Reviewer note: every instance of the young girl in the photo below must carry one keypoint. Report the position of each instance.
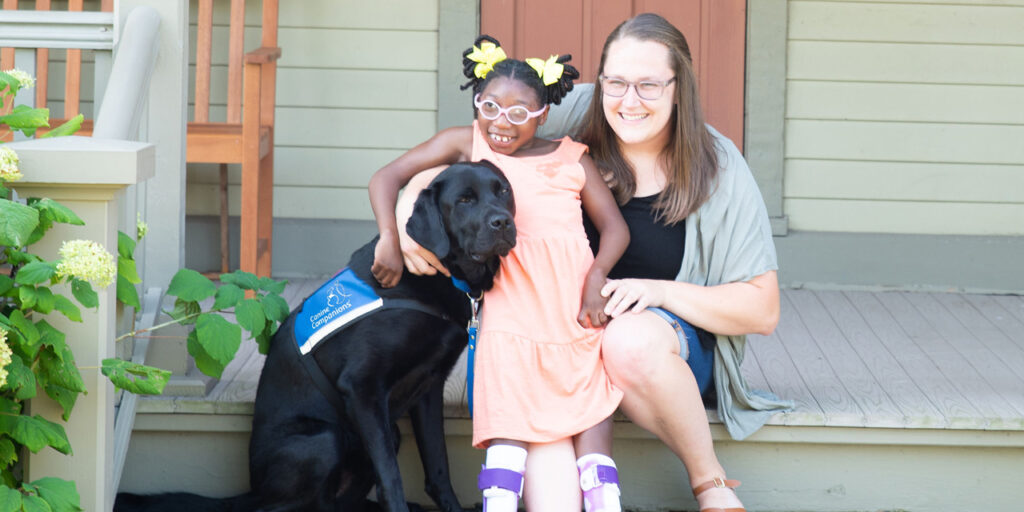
(539, 378)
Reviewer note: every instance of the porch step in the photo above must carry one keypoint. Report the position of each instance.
(905, 401)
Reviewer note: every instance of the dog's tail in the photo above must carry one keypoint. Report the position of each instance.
(182, 501)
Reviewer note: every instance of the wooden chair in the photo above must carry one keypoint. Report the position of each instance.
(245, 137)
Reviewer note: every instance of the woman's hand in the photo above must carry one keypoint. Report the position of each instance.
(633, 295)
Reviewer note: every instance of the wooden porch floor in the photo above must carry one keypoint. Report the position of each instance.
(847, 358)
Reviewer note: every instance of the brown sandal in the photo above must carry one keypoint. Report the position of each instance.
(718, 482)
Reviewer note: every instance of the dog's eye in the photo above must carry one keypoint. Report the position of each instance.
(465, 200)
(504, 191)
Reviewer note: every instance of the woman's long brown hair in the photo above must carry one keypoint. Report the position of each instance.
(689, 158)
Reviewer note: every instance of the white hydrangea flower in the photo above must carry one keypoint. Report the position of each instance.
(87, 260)
(24, 79)
(140, 226)
(5, 357)
(9, 170)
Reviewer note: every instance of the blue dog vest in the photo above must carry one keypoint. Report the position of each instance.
(341, 300)
(337, 303)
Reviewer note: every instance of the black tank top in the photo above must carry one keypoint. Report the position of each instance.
(655, 250)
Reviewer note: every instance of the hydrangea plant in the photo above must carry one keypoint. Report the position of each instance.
(34, 354)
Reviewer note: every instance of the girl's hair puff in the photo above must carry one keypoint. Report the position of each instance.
(519, 70)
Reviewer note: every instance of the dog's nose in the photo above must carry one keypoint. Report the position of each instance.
(501, 222)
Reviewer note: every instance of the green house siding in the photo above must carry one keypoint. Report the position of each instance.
(356, 87)
(905, 117)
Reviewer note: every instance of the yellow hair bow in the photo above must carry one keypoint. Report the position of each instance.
(550, 71)
(486, 56)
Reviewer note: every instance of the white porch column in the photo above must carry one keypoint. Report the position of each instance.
(85, 175)
(161, 200)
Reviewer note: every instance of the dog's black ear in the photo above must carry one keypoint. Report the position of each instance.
(426, 226)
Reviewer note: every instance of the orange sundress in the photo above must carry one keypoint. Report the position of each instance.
(538, 374)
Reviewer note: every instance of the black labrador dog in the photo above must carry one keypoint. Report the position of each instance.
(316, 449)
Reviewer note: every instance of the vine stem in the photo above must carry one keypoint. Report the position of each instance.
(155, 327)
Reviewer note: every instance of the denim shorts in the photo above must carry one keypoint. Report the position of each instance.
(700, 358)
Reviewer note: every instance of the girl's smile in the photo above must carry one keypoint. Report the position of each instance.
(503, 136)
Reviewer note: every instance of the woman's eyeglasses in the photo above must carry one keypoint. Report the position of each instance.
(516, 114)
(645, 89)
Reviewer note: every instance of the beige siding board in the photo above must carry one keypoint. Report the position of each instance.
(353, 128)
(340, 88)
(339, 48)
(912, 181)
(289, 202)
(401, 14)
(865, 101)
(901, 22)
(888, 337)
(913, 63)
(907, 142)
(853, 374)
(921, 328)
(936, 218)
(310, 167)
(976, 3)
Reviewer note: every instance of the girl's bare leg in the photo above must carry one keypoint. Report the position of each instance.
(552, 480)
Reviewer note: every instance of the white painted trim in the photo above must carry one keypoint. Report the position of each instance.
(53, 29)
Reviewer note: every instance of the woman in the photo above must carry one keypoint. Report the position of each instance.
(701, 258)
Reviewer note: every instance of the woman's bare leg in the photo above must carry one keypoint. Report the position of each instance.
(661, 395)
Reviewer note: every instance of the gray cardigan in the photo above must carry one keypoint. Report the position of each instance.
(728, 239)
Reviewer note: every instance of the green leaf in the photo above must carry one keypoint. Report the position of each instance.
(24, 118)
(84, 293)
(126, 268)
(9, 82)
(228, 296)
(244, 280)
(269, 285)
(27, 342)
(35, 432)
(36, 272)
(63, 396)
(20, 379)
(126, 292)
(135, 378)
(250, 316)
(16, 223)
(44, 300)
(125, 245)
(68, 128)
(8, 456)
(56, 211)
(10, 499)
(6, 283)
(263, 341)
(27, 296)
(183, 309)
(57, 367)
(68, 308)
(8, 406)
(16, 257)
(31, 503)
(190, 285)
(218, 340)
(61, 495)
(275, 307)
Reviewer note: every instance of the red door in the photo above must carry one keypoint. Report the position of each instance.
(715, 30)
